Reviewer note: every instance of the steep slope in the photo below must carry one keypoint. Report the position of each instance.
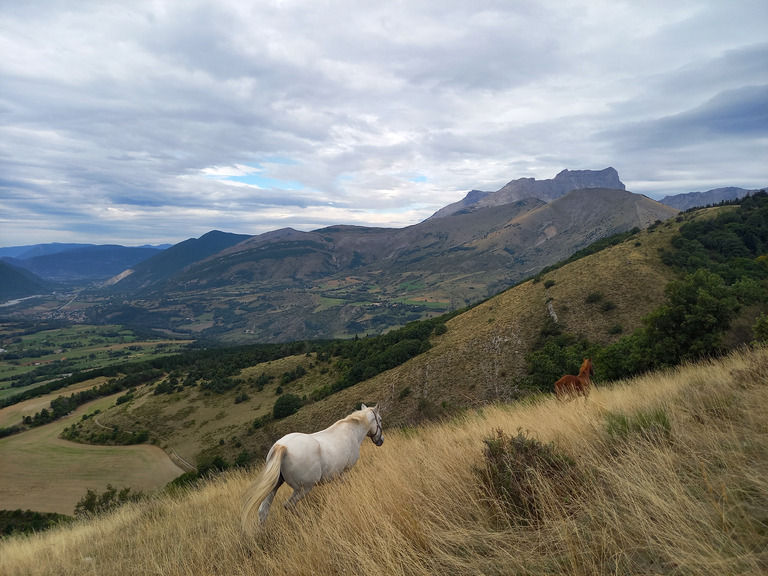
(679, 488)
(478, 359)
(173, 260)
(472, 197)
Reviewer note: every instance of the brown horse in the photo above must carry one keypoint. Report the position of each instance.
(576, 385)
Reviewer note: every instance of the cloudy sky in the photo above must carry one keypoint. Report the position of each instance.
(154, 121)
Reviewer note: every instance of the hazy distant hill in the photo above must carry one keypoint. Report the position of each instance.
(19, 283)
(546, 190)
(708, 198)
(32, 250)
(89, 263)
(171, 261)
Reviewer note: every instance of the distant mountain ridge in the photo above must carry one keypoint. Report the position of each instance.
(34, 250)
(545, 190)
(83, 263)
(708, 198)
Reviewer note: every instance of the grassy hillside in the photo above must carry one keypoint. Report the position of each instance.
(480, 358)
(482, 355)
(668, 474)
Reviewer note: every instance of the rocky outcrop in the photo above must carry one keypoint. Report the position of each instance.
(546, 190)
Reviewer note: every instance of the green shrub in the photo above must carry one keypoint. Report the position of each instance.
(262, 421)
(211, 464)
(760, 329)
(92, 504)
(520, 471)
(243, 459)
(28, 521)
(552, 357)
(286, 405)
(593, 297)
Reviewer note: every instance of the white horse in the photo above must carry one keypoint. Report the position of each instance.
(303, 460)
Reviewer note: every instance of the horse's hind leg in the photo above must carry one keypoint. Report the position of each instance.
(298, 494)
(264, 507)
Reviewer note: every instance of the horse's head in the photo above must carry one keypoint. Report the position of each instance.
(375, 431)
(587, 366)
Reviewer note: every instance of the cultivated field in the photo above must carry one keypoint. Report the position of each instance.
(13, 414)
(670, 477)
(53, 353)
(41, 472)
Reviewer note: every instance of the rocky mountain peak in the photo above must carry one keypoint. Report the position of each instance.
(546, 190)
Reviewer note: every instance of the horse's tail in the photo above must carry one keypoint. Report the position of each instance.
(261, 487)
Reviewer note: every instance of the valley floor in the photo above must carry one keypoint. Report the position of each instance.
(670, 477)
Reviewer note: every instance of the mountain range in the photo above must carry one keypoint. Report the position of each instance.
(340, 281)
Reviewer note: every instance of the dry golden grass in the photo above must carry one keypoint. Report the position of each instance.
(691, 498)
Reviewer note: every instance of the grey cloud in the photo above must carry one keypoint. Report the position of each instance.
(734, 113)
(126, 108)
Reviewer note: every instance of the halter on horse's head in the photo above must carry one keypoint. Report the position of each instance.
(375, 432)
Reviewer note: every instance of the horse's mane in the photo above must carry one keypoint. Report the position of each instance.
(356, 416)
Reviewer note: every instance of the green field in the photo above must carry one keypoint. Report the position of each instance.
(32, 358)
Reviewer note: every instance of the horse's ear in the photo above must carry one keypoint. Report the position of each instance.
(363, 406)
(376, 408)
